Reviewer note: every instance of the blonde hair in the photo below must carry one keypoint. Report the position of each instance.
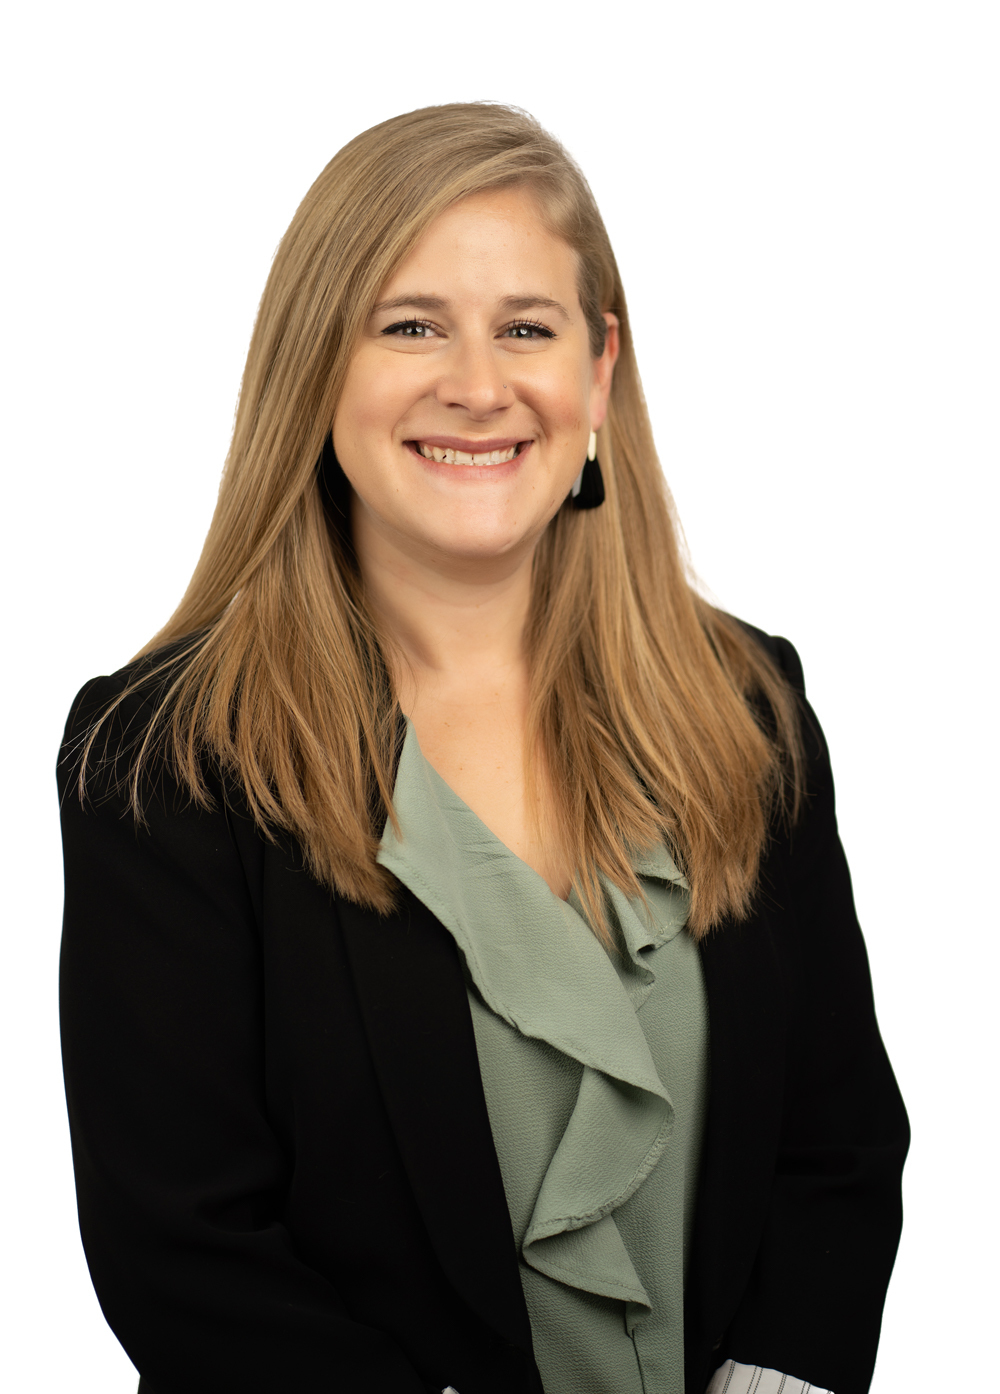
(659, 718)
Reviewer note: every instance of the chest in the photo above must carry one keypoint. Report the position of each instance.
(478, 748)
(370, 1037)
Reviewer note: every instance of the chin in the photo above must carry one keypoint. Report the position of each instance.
(477, 547)
(482, 541)
(485, 533)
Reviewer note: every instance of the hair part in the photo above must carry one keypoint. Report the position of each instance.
(645, 701)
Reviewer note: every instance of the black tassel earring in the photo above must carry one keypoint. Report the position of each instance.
(588, 487)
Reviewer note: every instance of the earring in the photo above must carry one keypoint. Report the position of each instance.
(588, 487)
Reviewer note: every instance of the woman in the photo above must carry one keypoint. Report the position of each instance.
(413, 867)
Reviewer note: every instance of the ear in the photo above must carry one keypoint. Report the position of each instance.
(604, 368)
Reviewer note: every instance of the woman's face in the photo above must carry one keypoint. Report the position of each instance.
(471, 397)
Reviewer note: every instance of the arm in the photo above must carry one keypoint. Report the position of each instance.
(814, 1302)
(180, 1178)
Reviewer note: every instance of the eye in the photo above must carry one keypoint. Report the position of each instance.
(410, 329)
(524, 330)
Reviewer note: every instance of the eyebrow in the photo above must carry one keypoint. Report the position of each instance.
(436, 302)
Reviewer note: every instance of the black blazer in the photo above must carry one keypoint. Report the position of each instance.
(285, 1171)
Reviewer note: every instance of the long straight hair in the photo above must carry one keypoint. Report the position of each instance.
(658, 718)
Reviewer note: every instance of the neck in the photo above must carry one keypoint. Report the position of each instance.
(455, 623)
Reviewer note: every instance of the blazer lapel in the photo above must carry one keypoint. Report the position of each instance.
(747, 1027)
(413, 998)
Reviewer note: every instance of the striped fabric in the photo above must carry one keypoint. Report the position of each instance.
(733, 1378)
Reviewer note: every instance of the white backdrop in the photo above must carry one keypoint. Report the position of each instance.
(803, 198)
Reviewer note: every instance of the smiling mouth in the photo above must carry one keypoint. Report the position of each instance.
(442, 456)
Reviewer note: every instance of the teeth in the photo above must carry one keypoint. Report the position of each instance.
(462, 457)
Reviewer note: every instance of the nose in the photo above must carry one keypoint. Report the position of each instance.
(472, 380)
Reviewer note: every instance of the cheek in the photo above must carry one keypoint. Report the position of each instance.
(375, 397)
(560, 398)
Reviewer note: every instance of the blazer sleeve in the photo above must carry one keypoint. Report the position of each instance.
(179, 1175)
(813, 1306)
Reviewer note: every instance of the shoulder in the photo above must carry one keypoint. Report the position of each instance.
(112, 715)
(142, 683)
(807, 755)
(131, 810)
(781, 652)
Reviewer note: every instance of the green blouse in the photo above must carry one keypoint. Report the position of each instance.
(594, 1067)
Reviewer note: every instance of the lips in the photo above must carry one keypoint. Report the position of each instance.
(447, 455)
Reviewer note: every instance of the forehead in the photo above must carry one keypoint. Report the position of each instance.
(495, 243)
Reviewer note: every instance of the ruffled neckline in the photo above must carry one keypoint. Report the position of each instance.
(537, 965)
